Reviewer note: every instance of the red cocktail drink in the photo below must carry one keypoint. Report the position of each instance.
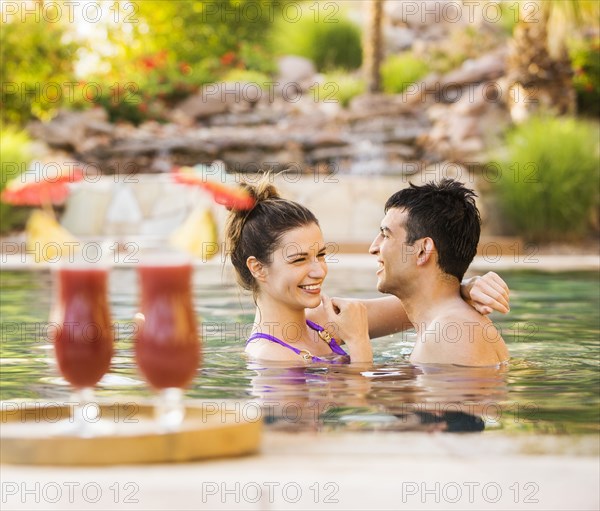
(167, 345)
(84, 337)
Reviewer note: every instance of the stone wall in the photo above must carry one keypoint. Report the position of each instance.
(148, 208)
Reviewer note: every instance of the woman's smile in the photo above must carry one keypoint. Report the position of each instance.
(313, 289)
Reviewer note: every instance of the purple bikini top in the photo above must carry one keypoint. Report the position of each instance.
(335, 347)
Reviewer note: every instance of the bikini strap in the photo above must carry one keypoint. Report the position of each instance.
(324, 334)
(305, 354)
(272, 338)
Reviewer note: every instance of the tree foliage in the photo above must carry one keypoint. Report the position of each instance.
(36, 68)
(192, 31)
(175, 47)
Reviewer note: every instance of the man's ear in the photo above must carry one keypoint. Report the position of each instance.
(426, 249)
(257, 269)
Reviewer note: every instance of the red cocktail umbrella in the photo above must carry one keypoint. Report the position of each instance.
(228, 196)
(42, 187)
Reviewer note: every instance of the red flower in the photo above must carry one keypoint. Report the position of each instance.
(185, 68)
(228, 58)
(148, 63)
(153, 61)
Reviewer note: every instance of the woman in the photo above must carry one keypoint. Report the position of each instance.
(278, 252)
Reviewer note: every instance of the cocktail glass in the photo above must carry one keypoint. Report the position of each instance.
(83, 338)
(167, 345)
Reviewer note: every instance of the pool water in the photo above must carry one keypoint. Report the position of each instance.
(551, 384)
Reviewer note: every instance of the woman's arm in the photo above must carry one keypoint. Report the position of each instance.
(486, 294)
(350, 318)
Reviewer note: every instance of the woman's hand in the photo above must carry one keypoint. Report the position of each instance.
(350, 319)
(486, 294)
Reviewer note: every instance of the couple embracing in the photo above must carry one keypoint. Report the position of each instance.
(426, 241)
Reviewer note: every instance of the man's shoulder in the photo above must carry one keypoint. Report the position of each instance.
(462, 337)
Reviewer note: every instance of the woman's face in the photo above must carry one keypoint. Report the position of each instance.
(297, 268)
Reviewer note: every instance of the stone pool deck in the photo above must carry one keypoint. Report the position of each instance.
(346, 471)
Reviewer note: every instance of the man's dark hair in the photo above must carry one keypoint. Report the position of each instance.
(446, 213)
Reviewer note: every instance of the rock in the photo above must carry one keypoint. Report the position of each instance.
(216, 98)
(322, 139)
(423, 92)
(486, 68)
(74, 130)
(399, 38)
(460, 128)
(295, 73)
(253, 118)
(403, 129)
(369, 105)
(331, 153)
(401, 151)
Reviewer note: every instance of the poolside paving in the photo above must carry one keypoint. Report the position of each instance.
(347, 471)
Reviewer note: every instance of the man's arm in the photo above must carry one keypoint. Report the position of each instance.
(387, 316)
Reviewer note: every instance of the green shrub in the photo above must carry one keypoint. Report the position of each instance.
(14, 156)
(36, 68)
(339, 87)
(585, 59)
(399, 71)
(548, 180)
(329, 39)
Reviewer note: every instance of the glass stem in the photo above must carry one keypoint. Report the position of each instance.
(85, 411)
(170, 409)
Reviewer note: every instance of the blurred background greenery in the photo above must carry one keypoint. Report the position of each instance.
(143, 57)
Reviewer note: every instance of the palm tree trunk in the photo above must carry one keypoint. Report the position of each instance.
(537, 81)
(373, 45)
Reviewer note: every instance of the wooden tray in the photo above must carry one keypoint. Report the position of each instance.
(33, 433)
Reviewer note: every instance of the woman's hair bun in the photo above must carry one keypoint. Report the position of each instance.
(263, 190)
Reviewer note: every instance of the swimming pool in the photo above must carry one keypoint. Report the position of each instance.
(551, 385)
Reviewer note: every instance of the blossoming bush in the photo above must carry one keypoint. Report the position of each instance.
(173, 51)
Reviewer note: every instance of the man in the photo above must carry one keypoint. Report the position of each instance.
(427, 240)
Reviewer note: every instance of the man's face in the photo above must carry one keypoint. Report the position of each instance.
(396, 259)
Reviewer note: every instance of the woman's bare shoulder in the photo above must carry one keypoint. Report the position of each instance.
(262, 349)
